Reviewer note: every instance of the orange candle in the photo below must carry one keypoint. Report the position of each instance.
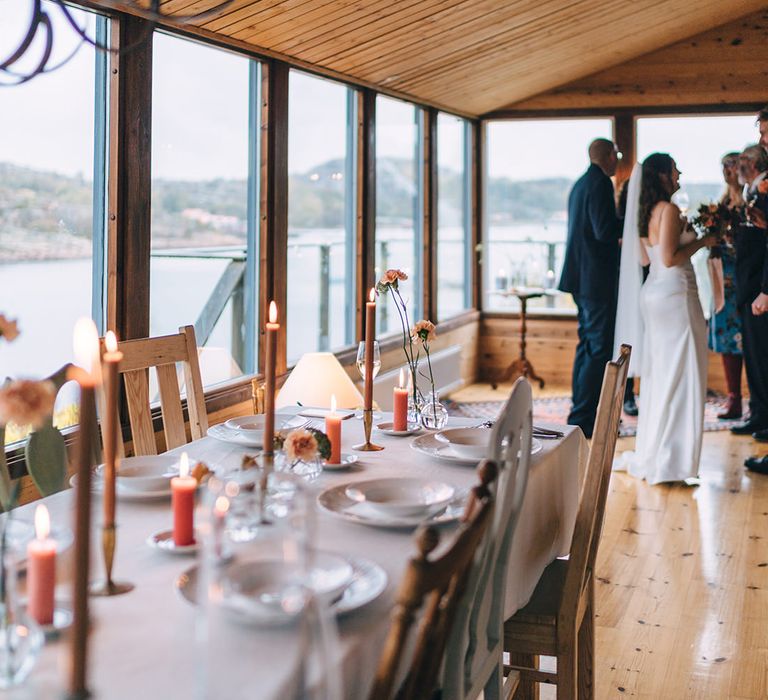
(111, 359)
(370, 333)
(183, 489)
(400, 405)
(333, 431)
(41, 570)
(270, 354)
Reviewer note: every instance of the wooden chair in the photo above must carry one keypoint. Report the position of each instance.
(474, 654)
(559, 619)
(439, 582)
(162, 353)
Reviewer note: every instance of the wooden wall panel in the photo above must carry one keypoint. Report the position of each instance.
(726, 65)
(466, 56)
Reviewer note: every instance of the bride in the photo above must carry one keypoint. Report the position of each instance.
(674, 333)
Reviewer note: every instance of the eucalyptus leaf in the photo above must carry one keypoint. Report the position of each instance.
(6, 493)
(46, 456)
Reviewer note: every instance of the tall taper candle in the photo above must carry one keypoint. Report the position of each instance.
(111, 360)
(86, 342)
(270, 355)
(370, 334)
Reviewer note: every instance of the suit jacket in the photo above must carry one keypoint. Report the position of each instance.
(751, 259)
(591, 265)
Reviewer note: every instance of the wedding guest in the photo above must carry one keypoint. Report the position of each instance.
(725, 320)
(590, 274)
(752, 289)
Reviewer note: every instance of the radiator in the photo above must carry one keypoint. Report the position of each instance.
(446, 368)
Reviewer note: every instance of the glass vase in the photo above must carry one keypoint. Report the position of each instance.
(309, 470)
(20, 637)
(433, 414)
(415, 404)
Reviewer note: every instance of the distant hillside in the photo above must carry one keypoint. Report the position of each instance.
(48, 215)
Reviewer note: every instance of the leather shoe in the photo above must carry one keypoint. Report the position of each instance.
(757, 464)
(748, 427)
(761, 435)
(630, 407)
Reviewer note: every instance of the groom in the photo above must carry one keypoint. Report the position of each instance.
(590, 274)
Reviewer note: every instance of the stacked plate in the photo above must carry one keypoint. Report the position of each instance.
(140, 478)
(394, 502)
(465, 446)
(248, 431)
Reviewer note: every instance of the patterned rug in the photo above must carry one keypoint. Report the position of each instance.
(554, 409)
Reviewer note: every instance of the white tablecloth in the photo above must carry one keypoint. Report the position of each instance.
(142, 644)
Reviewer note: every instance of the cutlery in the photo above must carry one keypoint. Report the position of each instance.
(546, 431)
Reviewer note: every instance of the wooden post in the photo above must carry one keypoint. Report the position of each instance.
(625, 138)
(430, 215)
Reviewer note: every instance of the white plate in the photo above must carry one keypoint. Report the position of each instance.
(248, 438)
(335, 501)
(430, 445)
(368, 582)
(398, 497)
(97, 486)
(386, 429)
(163, 540)
(147, 473)
(347, 460)
(22, 532)
(469, 443)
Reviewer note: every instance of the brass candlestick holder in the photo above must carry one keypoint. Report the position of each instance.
(108, 587)
(368, 446)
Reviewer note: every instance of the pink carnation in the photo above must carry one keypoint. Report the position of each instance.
(26, 402)
(300, 445)
(8, 329)
(392, 276)
(424, 330)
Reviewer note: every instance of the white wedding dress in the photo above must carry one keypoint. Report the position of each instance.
(673, 375)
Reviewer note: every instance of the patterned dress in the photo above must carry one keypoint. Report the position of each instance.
(725, 325)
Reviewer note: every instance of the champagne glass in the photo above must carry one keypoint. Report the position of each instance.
(683, 201)
(361, 367)
(750, 200)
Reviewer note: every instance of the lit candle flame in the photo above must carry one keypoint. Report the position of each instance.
(222, 505)
(372, 295)
(184, 465)
(42, 522)
(110, 341)
(85, 344)
(272, 312)
(401, 384)
(333, 403)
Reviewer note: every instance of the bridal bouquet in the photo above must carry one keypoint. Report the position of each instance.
(713, 218)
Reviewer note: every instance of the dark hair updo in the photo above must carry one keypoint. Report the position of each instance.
(652, 189)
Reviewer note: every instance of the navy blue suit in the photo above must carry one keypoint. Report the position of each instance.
(591, 275)
(751, 279)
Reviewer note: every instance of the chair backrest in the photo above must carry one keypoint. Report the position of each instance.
(476, 638)
(594, 492)
(439, 584)
(163, 353)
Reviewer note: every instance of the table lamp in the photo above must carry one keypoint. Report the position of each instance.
(316, 376)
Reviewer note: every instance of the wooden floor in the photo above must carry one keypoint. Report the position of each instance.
(682, 590)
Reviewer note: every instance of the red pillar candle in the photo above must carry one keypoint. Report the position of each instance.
(333, 431)
(183, 489)
(370, 334)
(400, 405)
(270, 355)
(41, 570)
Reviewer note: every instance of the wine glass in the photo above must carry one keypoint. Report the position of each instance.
(683, 201)
(361, 367)
(749, 200)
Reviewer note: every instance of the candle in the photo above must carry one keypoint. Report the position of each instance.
(41, 570)
(270, 353)
(86, 346)
(183, 489)
(111, 361)
(400, 405)
(333, 431)
(370, 332)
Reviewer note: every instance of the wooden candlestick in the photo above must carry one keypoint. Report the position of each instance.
(370, 334)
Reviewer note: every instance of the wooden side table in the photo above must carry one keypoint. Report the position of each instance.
(521, 367)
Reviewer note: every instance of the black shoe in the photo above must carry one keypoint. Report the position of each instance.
(760, 435)
(748, 427)
(630, 407)
(757, 464)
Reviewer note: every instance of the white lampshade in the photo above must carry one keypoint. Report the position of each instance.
(317, 376)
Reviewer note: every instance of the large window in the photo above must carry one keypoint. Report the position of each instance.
(204, 199)
(697, 144)
(532, 165)
(321, 215)
(453, 216)
(399, 174)
(52, 175)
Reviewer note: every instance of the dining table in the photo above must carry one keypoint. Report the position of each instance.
(152, 643)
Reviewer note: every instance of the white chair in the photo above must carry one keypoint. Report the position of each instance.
(474, 661)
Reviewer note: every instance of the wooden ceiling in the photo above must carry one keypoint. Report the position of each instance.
(469, 56)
